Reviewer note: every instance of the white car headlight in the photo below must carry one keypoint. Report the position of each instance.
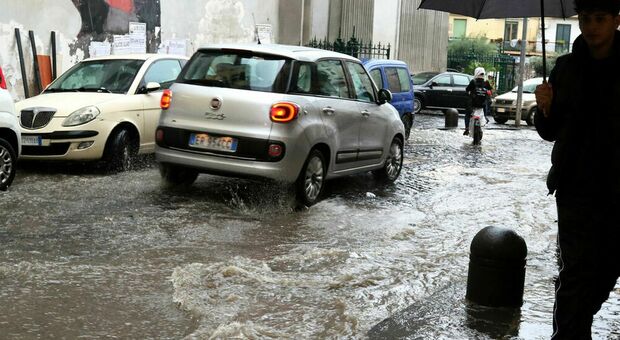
(81, 116)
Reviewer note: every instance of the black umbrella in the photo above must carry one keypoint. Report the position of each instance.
(497, 9)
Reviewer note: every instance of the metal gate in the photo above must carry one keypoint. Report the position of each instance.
(504, 66)
(353, 47)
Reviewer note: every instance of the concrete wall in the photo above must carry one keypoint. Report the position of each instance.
(551, 25)
(203, 22)
(289, 17)
(20, 14)
(423, 37)
(78, 23)
(494, 28)
(386, 22)
(317, 19)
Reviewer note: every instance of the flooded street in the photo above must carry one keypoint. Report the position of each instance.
(94, 255)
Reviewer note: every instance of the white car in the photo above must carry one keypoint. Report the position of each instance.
(104, 108)
(10, 140)
(504, 107)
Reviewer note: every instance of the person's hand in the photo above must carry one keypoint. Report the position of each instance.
(544, 95)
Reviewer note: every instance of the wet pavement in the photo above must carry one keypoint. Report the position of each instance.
(94, 255)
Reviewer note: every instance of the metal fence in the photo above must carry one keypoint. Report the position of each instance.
(503, 66)
(352, 47)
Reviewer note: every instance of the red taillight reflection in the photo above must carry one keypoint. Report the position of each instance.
(166, 99)
(2, 80)
(283, 112)
(275, 150)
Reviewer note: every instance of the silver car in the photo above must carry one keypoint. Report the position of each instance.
(288, 113)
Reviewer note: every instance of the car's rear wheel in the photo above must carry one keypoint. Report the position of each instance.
(8, 158)
(530, 117)
(120, 151)
(500, 120)
(176, 175)
(311, 180)
(417, 104)
(393, 163)
(408, 123)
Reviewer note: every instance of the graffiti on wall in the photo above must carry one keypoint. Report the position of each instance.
(101, 19)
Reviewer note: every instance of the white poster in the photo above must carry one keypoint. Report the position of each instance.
(264, 33)
(174, 46)
(137, 37)
(99, 48)
(121, 44)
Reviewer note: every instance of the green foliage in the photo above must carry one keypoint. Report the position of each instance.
(472, 45)
(537, 64)
(471, 67)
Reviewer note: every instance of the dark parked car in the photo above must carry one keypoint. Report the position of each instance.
(435, 90)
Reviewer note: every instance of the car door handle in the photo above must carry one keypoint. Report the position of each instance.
(365, 113)
(328, 111)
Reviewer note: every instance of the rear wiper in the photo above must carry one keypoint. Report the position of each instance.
(206, 82)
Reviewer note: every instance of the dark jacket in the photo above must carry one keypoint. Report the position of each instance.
(584, 123)
(471, 89)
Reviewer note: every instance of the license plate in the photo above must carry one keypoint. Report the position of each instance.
(204, 141)
(31, 140)
(501, 109)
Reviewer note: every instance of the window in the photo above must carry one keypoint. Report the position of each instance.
(163, 72)
(304, 79)
(511, 30)
(361, 82)
(238, 70)
(461, 81)
(377, 77)
(331, 79)
(443, 81)
(392, 77)
(562, 38)
(459, 28)
(405, 79)
(114, 75)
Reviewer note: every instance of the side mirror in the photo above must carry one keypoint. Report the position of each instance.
(152, 86)
(433, 84)
(384, 96)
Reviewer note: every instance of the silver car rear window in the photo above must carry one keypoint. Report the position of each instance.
(238, 70)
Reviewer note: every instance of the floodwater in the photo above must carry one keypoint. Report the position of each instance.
(84, 254)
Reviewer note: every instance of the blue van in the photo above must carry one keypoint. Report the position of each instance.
(394, 75)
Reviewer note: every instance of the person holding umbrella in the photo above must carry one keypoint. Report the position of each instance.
(577, 110)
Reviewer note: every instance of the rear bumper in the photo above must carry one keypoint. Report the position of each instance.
(508, 112)
(284, 170)
(251, 158)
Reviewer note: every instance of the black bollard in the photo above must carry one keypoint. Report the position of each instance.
(496, 268)
(452, 118)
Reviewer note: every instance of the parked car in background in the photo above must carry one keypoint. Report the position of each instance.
(104, 108)
(288, 113)
(10, 139)
(504, 107)
(394, 75)
(446, 90)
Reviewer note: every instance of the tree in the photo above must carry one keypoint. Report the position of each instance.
(478, 45)
(537, 64)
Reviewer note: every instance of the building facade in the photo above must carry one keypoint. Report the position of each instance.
(84, 28)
